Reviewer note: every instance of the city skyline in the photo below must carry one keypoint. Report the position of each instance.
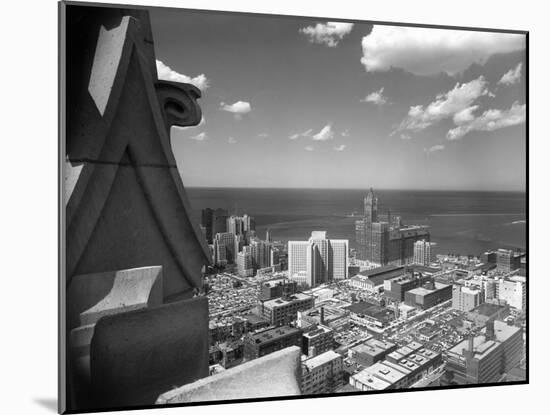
(285, 95)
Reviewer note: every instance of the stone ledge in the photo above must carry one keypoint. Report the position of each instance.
(276, 374)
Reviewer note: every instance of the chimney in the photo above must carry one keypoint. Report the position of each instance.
(323, 315)
(471, 343)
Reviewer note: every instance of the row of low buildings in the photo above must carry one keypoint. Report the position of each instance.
(400, 369)
(510, 290)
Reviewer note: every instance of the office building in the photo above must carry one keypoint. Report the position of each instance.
(318, 260)
(277, 288)
(486, 357)
(244, 263)
(513, 290)
(423, 252)
(270, 340)
(322, 373)
(317, 340)
(371, 351)
(219, 221)
(224, 246)
(385, 242)
(466, 298)
(281, 311)
(429, 295)
(396, 287)
(508, 260)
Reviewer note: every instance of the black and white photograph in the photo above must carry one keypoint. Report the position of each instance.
(270, 207)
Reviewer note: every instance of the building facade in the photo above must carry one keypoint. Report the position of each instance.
(318, 260)
(322, 373)
(385, 242)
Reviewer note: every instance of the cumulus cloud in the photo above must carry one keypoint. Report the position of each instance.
(341, 147)
(263, 135)
(512, 76)
(329, 34)
(308, 148)
(306, 133)
(325, 134)
(433, 149)
(490, 120)
(345, 133)
(166, 73)
(199, 137)
(231, 140)
(404, 136)
(426, 51)
(456, 103)
(238, 108)
(376, 97)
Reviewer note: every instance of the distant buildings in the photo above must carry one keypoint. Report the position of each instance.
(322, 373)
(508, 260)
(385, 242)
(270, 340)
(423, 254)
(318, 260)
(484, 358)
(224, 248)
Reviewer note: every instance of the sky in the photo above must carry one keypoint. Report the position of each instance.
(311, 103)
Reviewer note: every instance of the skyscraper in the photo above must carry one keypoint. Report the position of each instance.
(385, 242)
(422, 252)
(318, 260)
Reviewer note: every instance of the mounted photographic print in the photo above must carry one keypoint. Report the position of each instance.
(258, 207)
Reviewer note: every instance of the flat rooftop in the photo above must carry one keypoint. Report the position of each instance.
(488, 309)
(386, 373)
(367, 378)
(273, 334)
(279, 301)
(378, 275)
(321, 359)
(371, 310)
(373, 347)
(317, 331)
(483, 347)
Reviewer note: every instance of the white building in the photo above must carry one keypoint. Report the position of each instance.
(423, 252)
(466, 298)
(318, 260)
(322, 373)
(513, 291)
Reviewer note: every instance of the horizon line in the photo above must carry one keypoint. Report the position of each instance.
(356, 188)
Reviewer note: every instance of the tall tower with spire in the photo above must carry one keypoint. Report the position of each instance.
(371, 207)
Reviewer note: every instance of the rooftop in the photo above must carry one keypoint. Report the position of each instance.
(374, 382)
(271, 334)
(280, 301)
(488, 309)
(483, 347)
(321, 359)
